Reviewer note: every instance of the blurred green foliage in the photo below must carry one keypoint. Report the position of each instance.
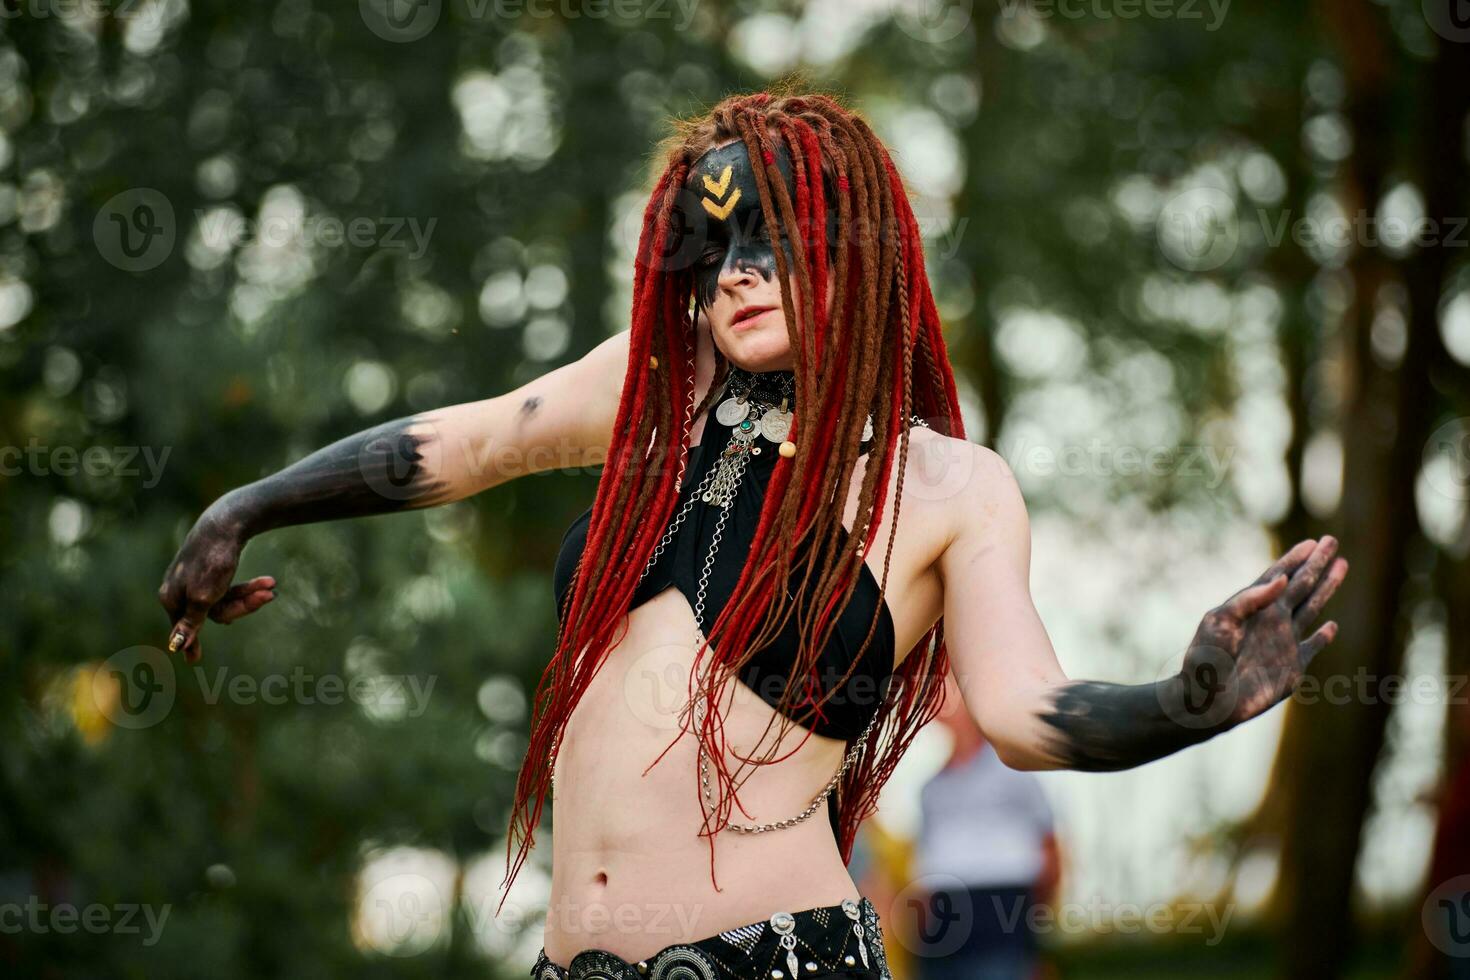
(492, 163)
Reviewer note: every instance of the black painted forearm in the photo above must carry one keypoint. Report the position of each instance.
(1101, 727)
(1248, 654)
(377, 471)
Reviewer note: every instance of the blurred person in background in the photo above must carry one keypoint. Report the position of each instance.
(987, 846)
(783, 335)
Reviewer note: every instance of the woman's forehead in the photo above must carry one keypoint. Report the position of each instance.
(725, 169)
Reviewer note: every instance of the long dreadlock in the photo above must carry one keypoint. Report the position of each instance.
(855, 361)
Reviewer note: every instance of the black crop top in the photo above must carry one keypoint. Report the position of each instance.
(767, 672)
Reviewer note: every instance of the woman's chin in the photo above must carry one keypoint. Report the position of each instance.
(770, 357)
(760, 347)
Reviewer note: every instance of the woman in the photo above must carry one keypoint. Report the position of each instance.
(784, 355)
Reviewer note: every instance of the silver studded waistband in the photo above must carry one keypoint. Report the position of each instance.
(843, 940)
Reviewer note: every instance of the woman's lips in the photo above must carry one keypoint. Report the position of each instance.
(746, 317)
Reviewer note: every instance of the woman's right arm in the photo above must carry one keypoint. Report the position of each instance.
(560, 420)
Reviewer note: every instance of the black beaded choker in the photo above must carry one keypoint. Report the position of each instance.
(764, 386)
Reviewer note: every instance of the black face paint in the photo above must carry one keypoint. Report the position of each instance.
(736, 238)
(725, 229)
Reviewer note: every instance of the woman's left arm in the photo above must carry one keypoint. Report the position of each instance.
(1246, 656)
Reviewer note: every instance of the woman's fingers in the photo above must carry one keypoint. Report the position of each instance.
(239, 600)
(1248, 601)
(1288, 562)
(1307, 612)
(185, 632)
(261, 583)
(184, 638)
(1312, 645)
(243, 599)
(226, 613)
(1305, 578)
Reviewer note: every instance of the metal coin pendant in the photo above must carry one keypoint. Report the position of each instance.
(732, 411)
(776, 424)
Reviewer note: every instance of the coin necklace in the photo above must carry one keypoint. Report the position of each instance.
(750, 410)
(747, 414)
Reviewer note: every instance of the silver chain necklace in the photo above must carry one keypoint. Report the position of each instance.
(748, 416)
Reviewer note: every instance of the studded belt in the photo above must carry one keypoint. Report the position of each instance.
(832, 941)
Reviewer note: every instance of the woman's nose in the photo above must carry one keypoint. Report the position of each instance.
(737, 272)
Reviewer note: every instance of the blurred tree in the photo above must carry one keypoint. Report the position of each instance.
(490, 159)
(359, 221)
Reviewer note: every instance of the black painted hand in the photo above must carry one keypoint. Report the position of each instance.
(1249, 653)
(197, 583)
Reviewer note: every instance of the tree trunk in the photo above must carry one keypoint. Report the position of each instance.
(1388, 412)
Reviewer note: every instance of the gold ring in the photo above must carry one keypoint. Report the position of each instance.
(175, 641)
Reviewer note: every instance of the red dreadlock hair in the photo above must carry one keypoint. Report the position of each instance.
(858, 359)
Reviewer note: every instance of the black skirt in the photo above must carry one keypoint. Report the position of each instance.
(834, 941)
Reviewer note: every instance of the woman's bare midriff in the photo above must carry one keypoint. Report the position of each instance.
(630, 873)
